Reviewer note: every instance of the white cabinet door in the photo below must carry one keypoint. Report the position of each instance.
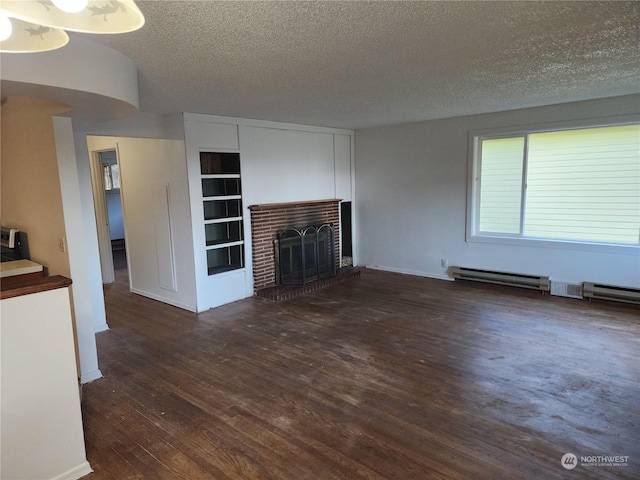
(157, 219)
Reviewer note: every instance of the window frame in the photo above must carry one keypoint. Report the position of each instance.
(473, 192)
(109, 167)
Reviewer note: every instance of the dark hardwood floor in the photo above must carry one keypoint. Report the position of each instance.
(383, 377)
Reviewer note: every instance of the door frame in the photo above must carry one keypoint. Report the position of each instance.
(101, 213)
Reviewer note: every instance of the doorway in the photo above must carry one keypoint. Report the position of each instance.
(115, 220)
(105, 182)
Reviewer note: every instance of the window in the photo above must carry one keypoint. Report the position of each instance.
(578, 185)
(111, 175)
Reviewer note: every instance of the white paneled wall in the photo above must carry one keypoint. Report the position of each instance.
(155, 202)
(286, 165)
(279, 163)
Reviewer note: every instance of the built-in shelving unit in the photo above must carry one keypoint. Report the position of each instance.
(222, 203)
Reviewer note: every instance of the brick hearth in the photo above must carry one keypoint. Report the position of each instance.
(269, 219)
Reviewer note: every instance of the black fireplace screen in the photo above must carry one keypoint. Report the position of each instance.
(306, 255)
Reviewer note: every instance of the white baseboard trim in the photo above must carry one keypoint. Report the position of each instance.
(90, 376)
(76, 472)
(437, 276)
(168, 301)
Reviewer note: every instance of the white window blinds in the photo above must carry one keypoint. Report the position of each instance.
(576, 185)
(501, 192)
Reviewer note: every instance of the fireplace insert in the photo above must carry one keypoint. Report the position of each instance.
(305, 255)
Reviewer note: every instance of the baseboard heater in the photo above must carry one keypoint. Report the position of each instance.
(502, 278)
(609, 292)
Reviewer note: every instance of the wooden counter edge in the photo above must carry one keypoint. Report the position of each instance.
(33, 286)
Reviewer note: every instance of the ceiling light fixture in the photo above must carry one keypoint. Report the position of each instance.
(39, 25)
(5, 27)
(71, 6)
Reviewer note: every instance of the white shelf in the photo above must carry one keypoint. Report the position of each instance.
(224, 245)
(220, 261)
(221, 175)
(222, 197)
(222, 220)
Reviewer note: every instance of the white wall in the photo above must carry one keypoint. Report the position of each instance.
(88, 301)
(411, 185)
(157, 219)
(279, 163)
(140, 125)
(286, 165)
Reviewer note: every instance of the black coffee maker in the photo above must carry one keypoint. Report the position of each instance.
(14, 244)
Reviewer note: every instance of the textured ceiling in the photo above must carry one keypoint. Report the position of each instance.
(358, 64)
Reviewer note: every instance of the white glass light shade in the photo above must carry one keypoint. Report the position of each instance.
(28, 37)
(5, 27)
(100, 16)
(70, 6)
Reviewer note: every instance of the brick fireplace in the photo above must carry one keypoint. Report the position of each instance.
(269, 219)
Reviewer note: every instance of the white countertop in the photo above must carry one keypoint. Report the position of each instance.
(18, 267)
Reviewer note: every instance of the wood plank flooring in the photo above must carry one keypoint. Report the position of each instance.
(383, 377)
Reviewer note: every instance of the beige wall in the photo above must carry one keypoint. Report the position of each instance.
(30, 183)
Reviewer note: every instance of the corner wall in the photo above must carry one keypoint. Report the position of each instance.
(411, 185)
(31, 196)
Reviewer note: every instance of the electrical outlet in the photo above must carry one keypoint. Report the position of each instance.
(62, 245)
(444, 263)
